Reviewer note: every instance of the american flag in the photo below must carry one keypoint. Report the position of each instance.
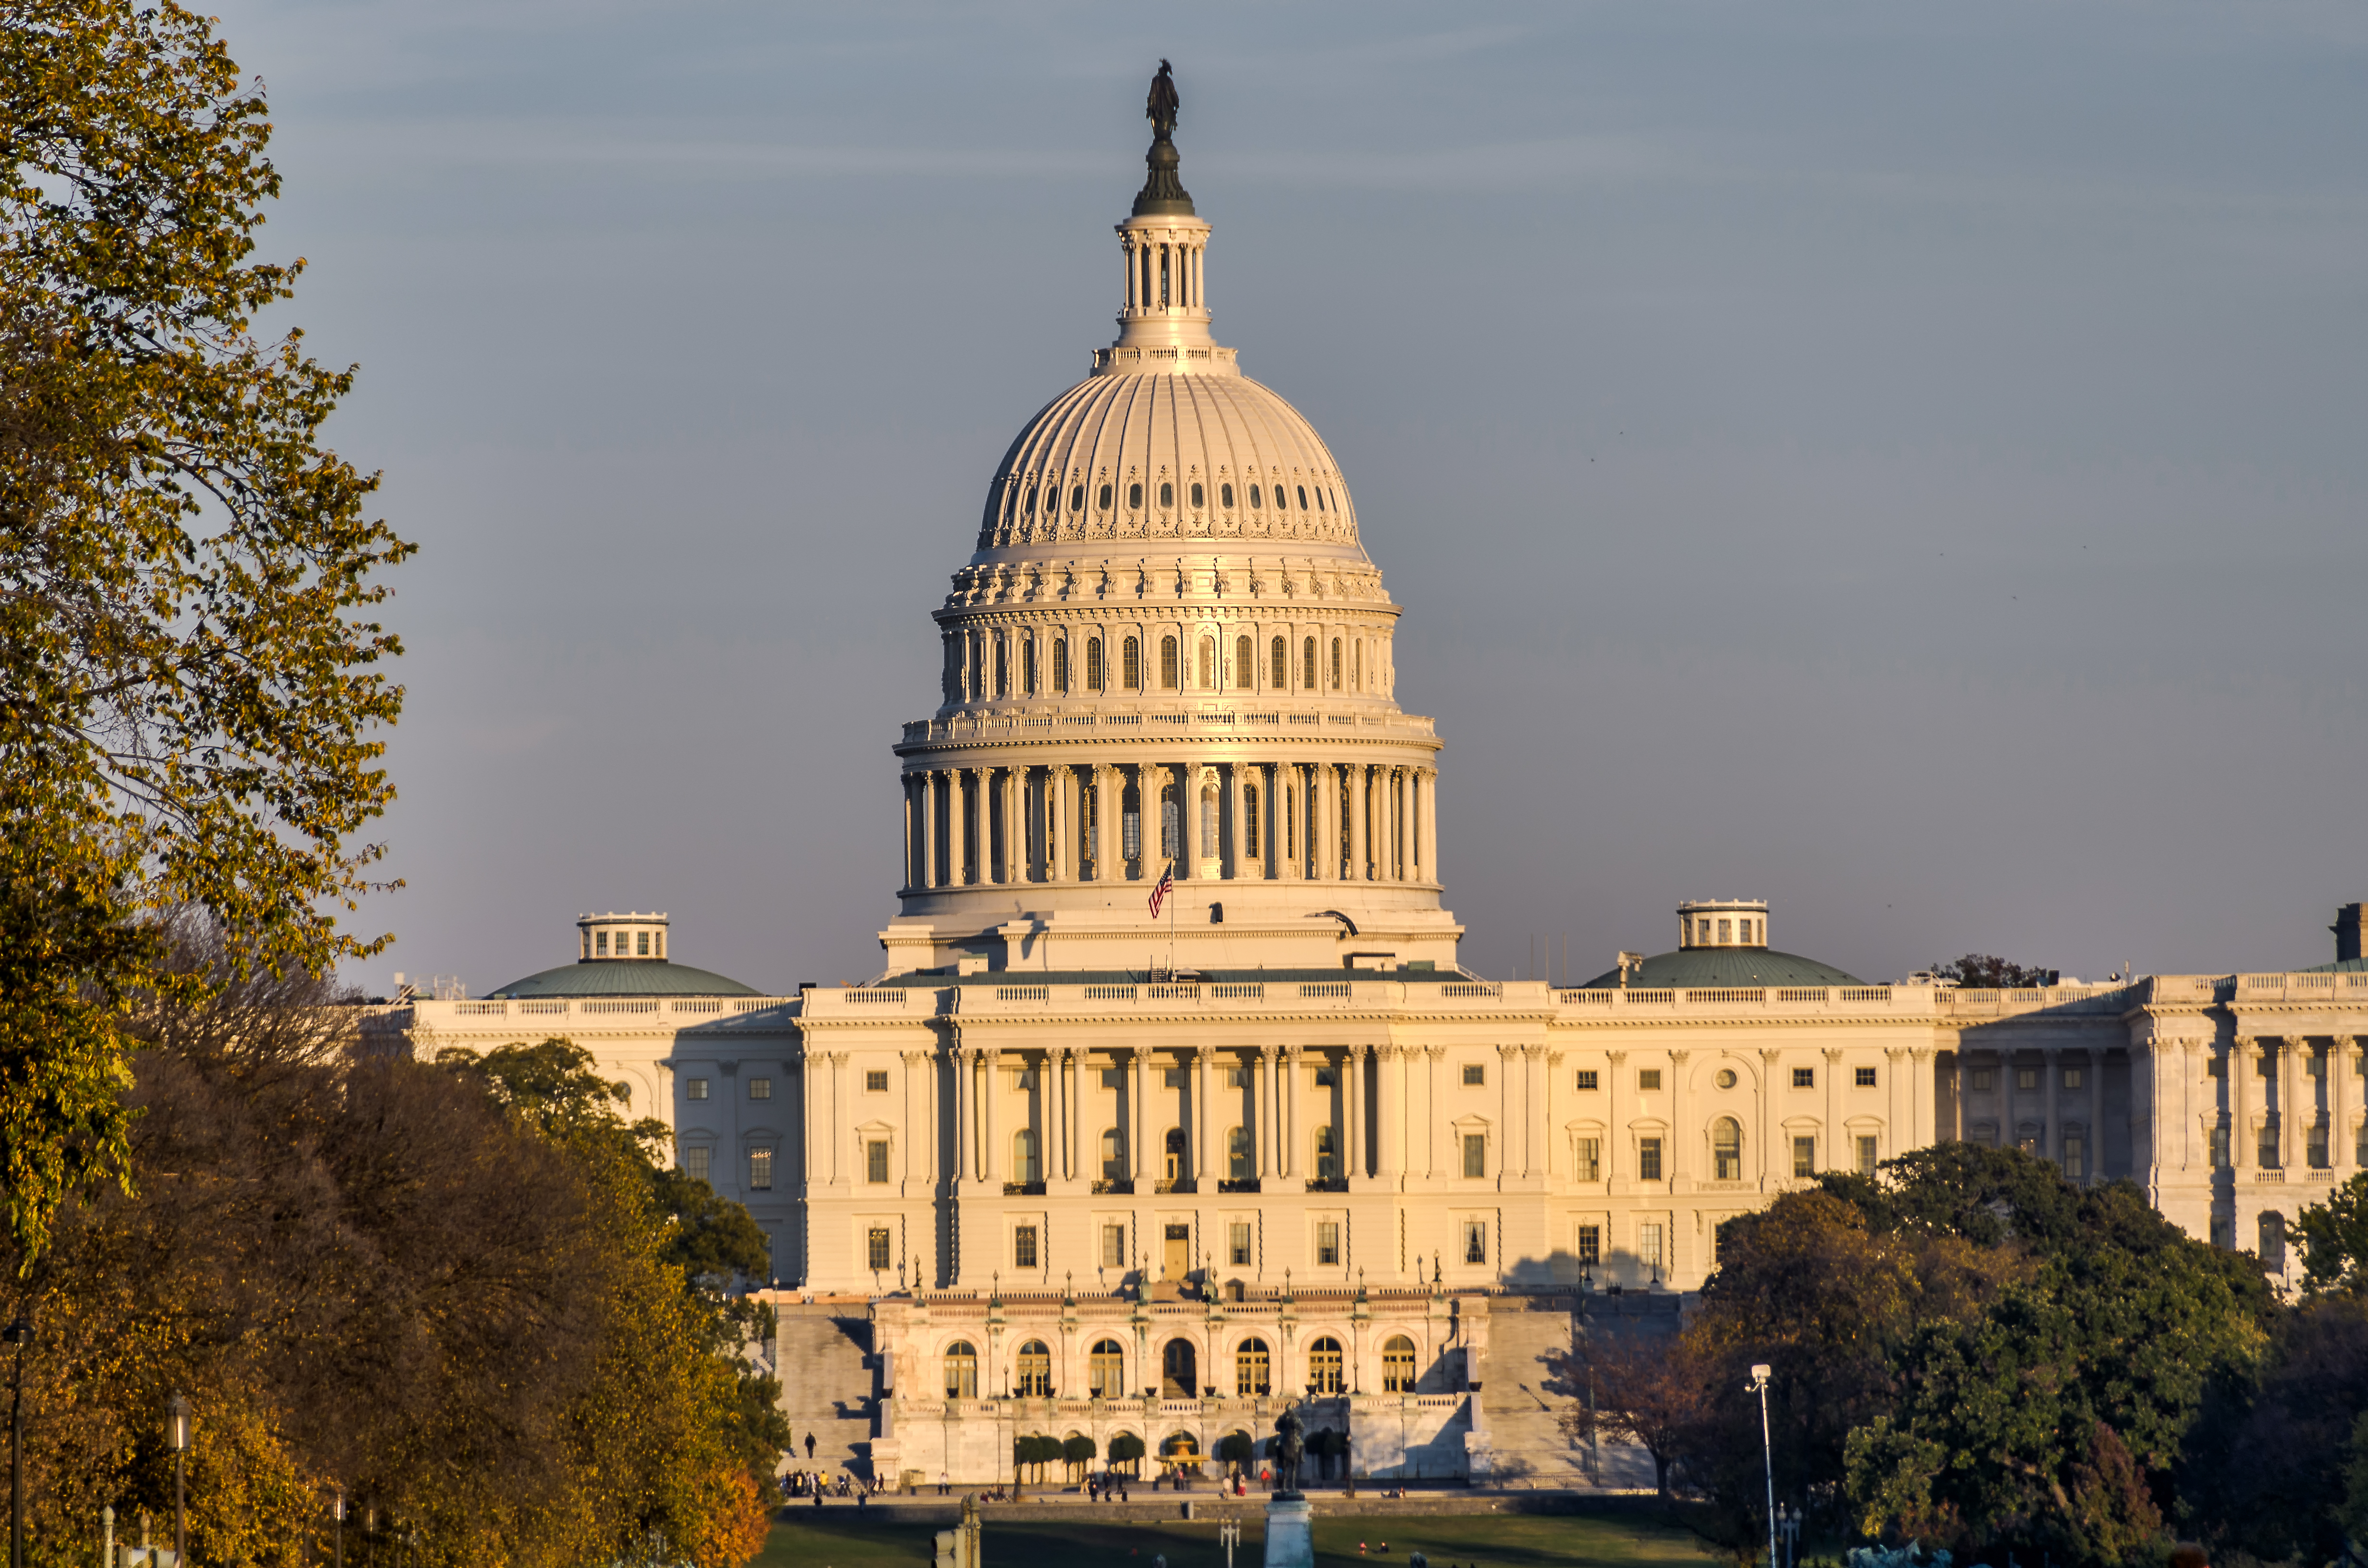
(1159, 894)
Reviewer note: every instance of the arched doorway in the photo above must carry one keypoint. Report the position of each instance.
(1180, 1370)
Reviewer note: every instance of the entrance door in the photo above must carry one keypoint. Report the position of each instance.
(1177, 1261)
(1179, 1371)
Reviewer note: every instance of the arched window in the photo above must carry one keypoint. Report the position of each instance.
(1245, 663)
(1024, 1165)
(1324, 1365)
(1328, 1151)
(1319, 498)
(1002, 668)
(1726, 1149)
(961, 1370)
(1170, 678)
(1093, 663)
(1061, 665)
(1237, 1153)
(1131, 664)
(1113, 1155)
(1027, 502)
(1180, 1370)
(1303, 497)
(1397, 1365)
(2274, 1242)
(1251, 1360)
(1130, 822)
(1251, 836)
(1027, 667)
(1279, 665)
(1175, 1144)
(1307, 664)
(1254, 494)
(1208, 819)
(1196, 496)
(1032, 1374)
(1105, 498)
(1105, 1369)
(1225, 496)
(1208, 669)
(1076, 498)
(1166, 494)
(1134, 497)
(1336, 663)
(1171, 826)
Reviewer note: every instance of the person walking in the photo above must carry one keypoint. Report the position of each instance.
(943, 1479)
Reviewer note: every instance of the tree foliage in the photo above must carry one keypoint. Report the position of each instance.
(2334, 1237)
(189, 667)
(1988, 970)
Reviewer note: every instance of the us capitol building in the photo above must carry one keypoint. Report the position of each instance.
(1098, 1169)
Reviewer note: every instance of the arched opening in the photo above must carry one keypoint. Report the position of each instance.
(1196, 502)
(1105, 497)
(1251, 1368)
(1245, 663)
(1076, 498)
(1027, 667)
(1336, 663)
(1170, 678)
(1130, 663)
(961, 1370)
(1225, 496)
(2274, 1242)
(1025, 1165)
(1307, 664)
(1726, 1149)
(1171, 819)
(1253, 495)
(1105, 1369)
(1113, 1155)
(1180, 1451)
(1166, 494)
(1397, 1365)
(1093, 663)
(1130, 822)
(1209, 819)
(1032, 1375)
(1180, 1370)
(1175, 1153)
(1061, 665)
(1237, 1153)
(1326, 1366)
(1134, 497)
(1279, 664)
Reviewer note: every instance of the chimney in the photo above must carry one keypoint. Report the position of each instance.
(2346, 933)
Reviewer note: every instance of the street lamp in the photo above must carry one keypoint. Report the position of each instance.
(1767, 1454)
(178, 1425)
(18, 1333)
(1229, 1536)
(337, 1512)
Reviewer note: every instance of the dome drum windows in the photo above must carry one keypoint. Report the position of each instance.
(1131, 664)
(1093, 663)
(1225, 498)
(1061, 666)
(1134, 497)
(1303, 497)
(1105, 505)
(1279, 665)
(1167, 495)
(1254, 498)
(1077, 498)
(1307, 664)
(1245, 671)
(1208, 665)
(1170, 677)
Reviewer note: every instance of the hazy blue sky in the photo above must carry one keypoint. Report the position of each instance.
(1905, 463)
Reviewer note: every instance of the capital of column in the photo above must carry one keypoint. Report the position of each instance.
(1679, 1053)
(1893, 1052)
(1921, 1053)
(1615, 1057)
(1831, 1052)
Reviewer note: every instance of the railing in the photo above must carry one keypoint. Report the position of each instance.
(1327, 1184)
(1864, 994)
(1472, 988)
(1323, 988)
(1115, 1184)
(1799, 993)
(542, 1006)
(1738, 994)
(1238, 1183)
(1173, 992)
(969, 727)
(1023, 1189)
(1109, 993)
(699, 1006)
(1252, 991)
(483, 1009)
(1023, 992)
(619, 1006)
(869, 997)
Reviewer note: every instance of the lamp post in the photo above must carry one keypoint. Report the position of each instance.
(178, 1425)
(1767, 1454)
(18, 1333)
(337, 1512)
(1229, 1536)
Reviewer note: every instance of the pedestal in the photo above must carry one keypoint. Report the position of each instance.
(1289, 1533)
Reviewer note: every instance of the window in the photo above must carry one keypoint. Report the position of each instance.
(875, 1083)
(642, 944)
(1240, 1077)
(2315, 1064)
(1648, 1245)
(2314, 1145)
(1866, 1156)
(696, 1162)
(961, 1370)
(1277, 658)
(2071, 1077)
(1205, 672)
(1077, 498)
(760, 1088)
(2274, 1243)
(1474, 1074)
(1105, 1369)
(1171, 677)
(1982, 1080)
(1113, 1155)
(1591, 1246)
(1327, 1077)
(2216, 1068)
(1589, 1080)
(1113, 1077)
(1724, 1078)
(1726, 1150)
(876, 1247)
(1027, 667)
(1131, 664)
(1174, 1144)
(1134, 497)
(1167, 494)
(1254, 494)
(1586, 1155)
(1336, 663)
(1324, 1359)
(1025, 1163)
(1328, 1152)
(2075, 1156)
(1725, 931)
(1244, 672)
(1328, 1243)
(1476, 1241)
(2268, 1153)
(875, 1160)
(2026, 1077)
(1475, 1153)
(1804, 1156)
(1002, 668)
(1061, 664)
(1303, 497)
(1308, 662)
(2220, 1147)
(1114, 1246)
(1251, 836)
(1237, 1153)
(1397, 1365)
(1225, 496)
(694, 1089)
(1093, 663)
(600, 944)
(1032, 1374)
(1176, 1077)
(1250, 1368)
(760, 1170)
(1237, 1244)
(1648, 1159)
(1648, 1079)
(1319, 498)
(1023, 1246)
(1805, 1077)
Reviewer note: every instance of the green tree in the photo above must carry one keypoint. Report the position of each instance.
(2334, 1236)
(1992, 972)
(186, 571)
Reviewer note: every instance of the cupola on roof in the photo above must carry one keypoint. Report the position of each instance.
(624, 955)
(1722, 942)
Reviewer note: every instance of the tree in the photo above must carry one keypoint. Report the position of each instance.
(1631, 1387)
(1995, 973)
(1078, 1452)
(188, 679)
(1236, 1450)
(2334, 1236)
(2264, 1471)
(1125, 1448)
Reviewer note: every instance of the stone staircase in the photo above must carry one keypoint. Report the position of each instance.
(1526, 1439)
(827, 1386)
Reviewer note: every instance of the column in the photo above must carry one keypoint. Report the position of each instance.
(2290, 1133)
(1288, 1079)
(1188, 816)
(1429, 819)
(921, 835)
(1360, 796)
(1352, 1096)
(990, 1090)
(1833, 1131)
(1267, 1142)
(1290, 831)
(2052, 1146)
(1775, 1158)
(2341, 1153)
(1921, 1088)
(1681, 1166)
(957, 828)
(2242, 1146)
(1430, 1058)
(2092, 1163)
(838, 1121)
(933, 1114)
(1139, 1119)
(809, 1091)
(1389, 1138)
(906, 1062)
(1110, 812)
(1238, 820)
(1539, 1098)
(1204, 1173)
(1326, 847)
(1615, 1132)
(1013, 799)
(965, 1063)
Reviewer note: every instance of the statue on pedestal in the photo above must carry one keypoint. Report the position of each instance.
(1289, 1449)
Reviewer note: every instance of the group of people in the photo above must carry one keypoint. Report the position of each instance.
(818, 1486)
(1107, 1488)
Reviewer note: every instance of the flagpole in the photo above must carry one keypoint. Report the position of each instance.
(1171, 922)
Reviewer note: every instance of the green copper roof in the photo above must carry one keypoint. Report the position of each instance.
(1724, 966)
(625, 977)
(2344, 966)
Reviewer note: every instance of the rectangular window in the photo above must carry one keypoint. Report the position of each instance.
(600, 944)
(1648, 1245)
(1327, 1077)
(2219, 1148)
(2315, 1065)
(696, 1162)
(1328, 1243)
(1648, 1158)
(1724, 928)
(1866, 1156)
(1863, 1077)
(1113, 1077)
(875, 1160)
(1474, 1074)
(876, 1247)
(760, 1170)
(1023, 1246)
(2267, 1156)
(875, 1083)
(1475, 1153)
(1239, 1078)
(1589, 1080)
(1591, 1246)
(1804, 1156)
(2315, 1146)
(694, 1089)
(2026, 1077)
(1476, 1241)
(760, 1088)
(1805, 1077)
(2216, 1068)
(1648, 1079)
(1114, 1246)
(1237, 1244)
(2075, 1166)
(2071, 1077)
(1589, 1159)
(1982, 1079)
(1176, 1077)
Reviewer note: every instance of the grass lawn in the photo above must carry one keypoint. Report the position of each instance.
(1628, 1538)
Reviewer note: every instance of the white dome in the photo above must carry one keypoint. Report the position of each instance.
(1091, 466)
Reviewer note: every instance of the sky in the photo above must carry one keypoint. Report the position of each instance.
(1902, 461)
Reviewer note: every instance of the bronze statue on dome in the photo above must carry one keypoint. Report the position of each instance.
(1161, 106)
